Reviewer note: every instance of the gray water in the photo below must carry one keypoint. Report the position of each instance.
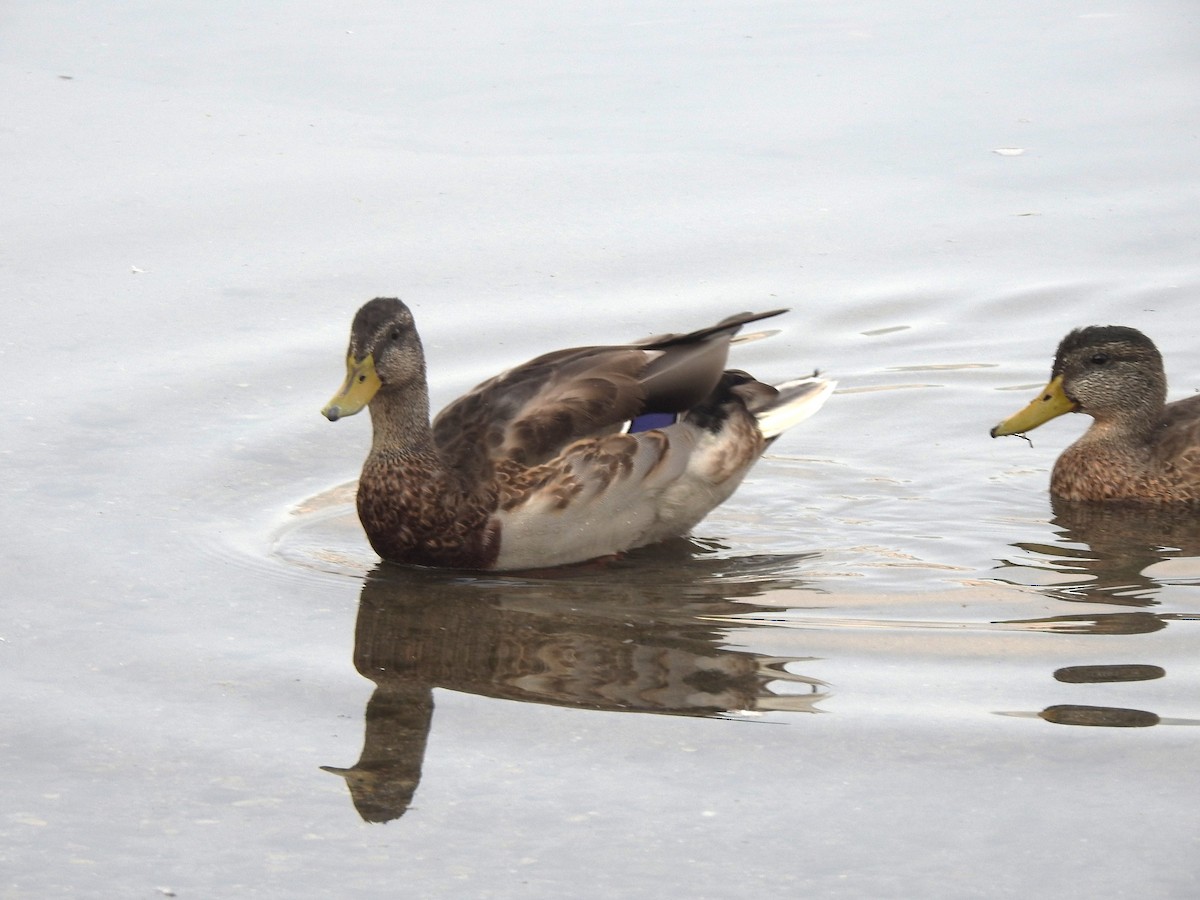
(887, 667)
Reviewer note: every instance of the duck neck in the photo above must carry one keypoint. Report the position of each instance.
(1130, 425)
(400, 422)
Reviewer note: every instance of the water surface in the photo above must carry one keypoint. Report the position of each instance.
(890, 666)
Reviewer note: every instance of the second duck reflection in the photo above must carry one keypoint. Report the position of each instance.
(622, 647)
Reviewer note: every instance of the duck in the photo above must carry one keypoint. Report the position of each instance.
(576, 455)
(1139, 447)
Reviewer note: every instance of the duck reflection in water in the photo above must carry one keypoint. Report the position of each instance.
(1107, 549)
(598, 641)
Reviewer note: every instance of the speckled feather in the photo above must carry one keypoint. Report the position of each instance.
(1164, 467)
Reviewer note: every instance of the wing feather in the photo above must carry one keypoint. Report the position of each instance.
(531, 413)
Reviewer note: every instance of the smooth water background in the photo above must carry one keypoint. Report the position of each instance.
(886, 668)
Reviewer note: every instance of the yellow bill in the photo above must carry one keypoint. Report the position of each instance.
(356, 392)
(1049, 404)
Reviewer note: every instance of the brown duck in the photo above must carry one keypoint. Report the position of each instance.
(574, 455)
(1139, 447)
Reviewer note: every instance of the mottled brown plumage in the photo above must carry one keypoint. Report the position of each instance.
(540, 465)
(1139, 447)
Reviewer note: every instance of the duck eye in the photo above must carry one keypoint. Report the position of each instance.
(395, 335)
(1099, 359)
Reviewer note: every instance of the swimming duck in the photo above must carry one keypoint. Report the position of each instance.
(575, 455)
(1139, 447)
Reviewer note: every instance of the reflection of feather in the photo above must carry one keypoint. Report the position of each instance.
(476, 644)
(418, 631)
(1109, 550)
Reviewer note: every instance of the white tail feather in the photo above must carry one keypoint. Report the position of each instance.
(797, 400)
